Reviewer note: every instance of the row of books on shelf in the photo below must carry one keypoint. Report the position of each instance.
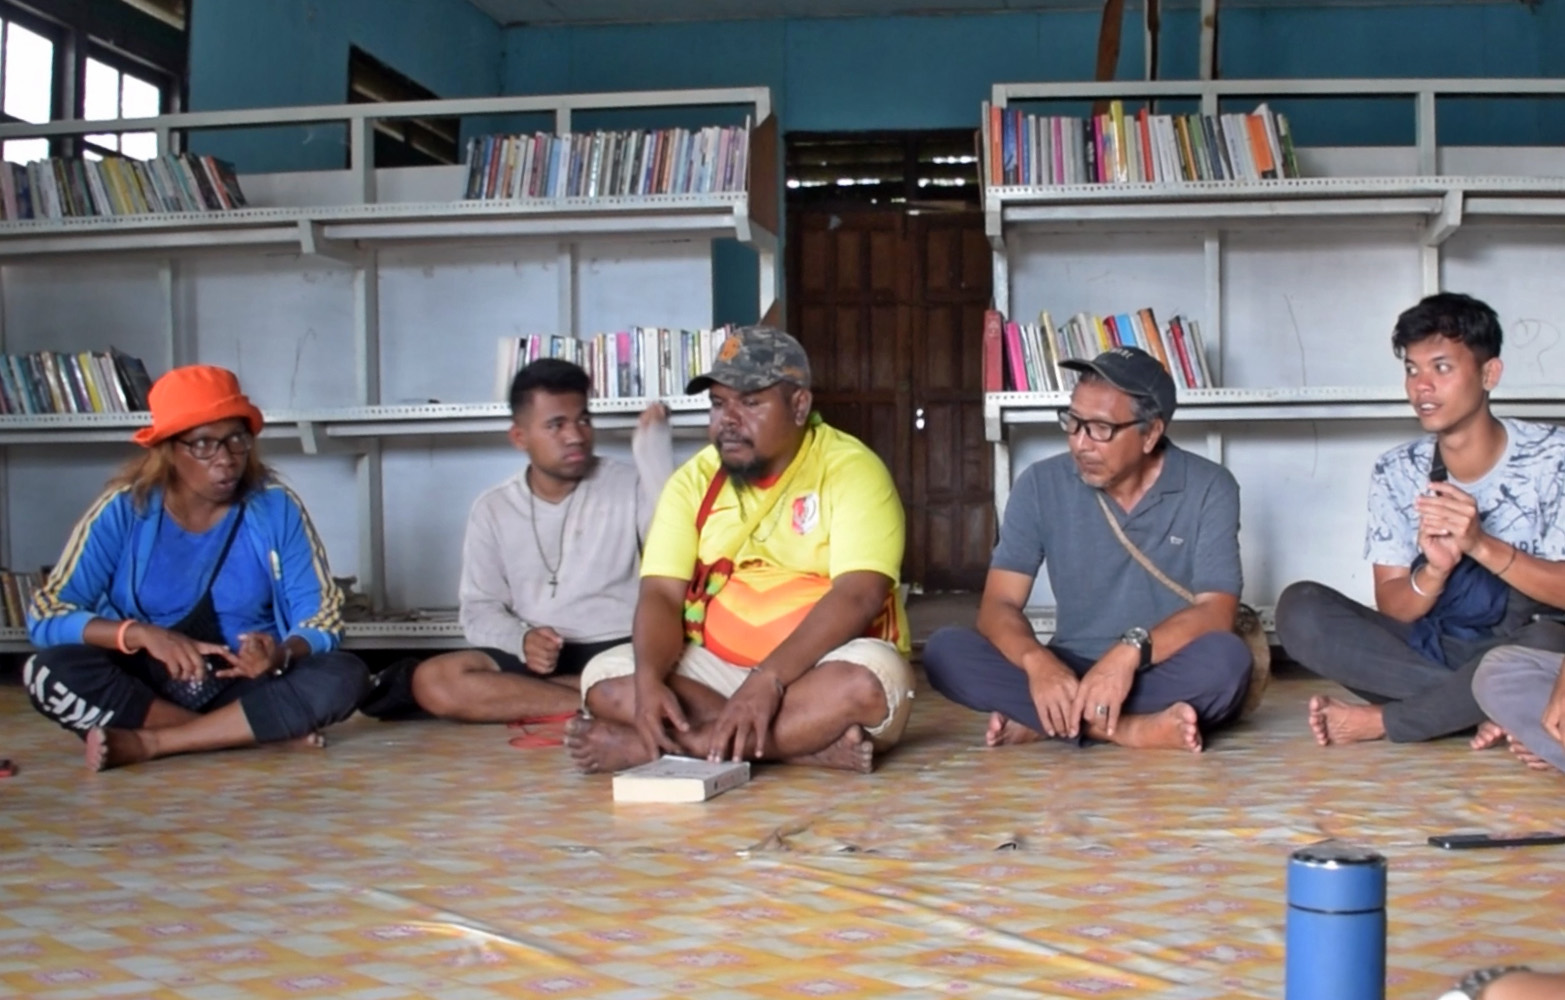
(59, 188)
(641, 362)
(87, 382)
(606, 164)
(1120, 148)
(16, 593)
(1026, 357)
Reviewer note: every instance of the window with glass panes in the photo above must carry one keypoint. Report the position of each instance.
(111, 92)
(57, 61)
(27, 85)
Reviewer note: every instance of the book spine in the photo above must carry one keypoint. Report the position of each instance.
(994, 364)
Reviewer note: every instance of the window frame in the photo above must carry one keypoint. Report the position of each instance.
(125, 66)
(57, 35)
(74, 44)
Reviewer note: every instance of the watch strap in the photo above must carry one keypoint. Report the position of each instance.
(1476, 982)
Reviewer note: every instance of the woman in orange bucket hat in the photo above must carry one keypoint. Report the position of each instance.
(192, 608)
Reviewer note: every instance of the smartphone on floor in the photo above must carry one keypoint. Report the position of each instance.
(1466, 841)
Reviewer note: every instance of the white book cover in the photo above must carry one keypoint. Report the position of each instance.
(679, 779)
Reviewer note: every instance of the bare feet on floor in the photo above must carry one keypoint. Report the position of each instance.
(309, 741)
(1532, 760)
(853, 751)
(1489, 734)
(600, 747)
(1336, 722)
(1174, 728)
(1004, 732)
(108, 748)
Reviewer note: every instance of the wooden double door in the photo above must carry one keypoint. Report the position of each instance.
(890, 305)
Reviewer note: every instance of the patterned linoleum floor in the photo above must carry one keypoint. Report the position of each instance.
(424, 859)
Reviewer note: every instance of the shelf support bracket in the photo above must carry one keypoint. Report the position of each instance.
(313, 243)
(994, 224)
(310, 435)
(1447, 222)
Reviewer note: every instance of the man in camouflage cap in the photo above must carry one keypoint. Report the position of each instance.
(769, 623)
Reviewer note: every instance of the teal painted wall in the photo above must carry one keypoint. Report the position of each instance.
(932, 72)
(858, 73)
(272, 53)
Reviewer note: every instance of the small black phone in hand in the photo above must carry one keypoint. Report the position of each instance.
(1437, 473)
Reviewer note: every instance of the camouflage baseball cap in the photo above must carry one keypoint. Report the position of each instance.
(753, 358)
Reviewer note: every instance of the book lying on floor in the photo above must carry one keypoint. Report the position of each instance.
(679, 779)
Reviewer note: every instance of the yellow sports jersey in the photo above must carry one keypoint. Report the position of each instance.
(765, 555)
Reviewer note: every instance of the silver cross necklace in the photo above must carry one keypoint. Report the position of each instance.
(532, 508)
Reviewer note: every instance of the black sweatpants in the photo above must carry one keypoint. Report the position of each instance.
(87, 687)
(1330, 634)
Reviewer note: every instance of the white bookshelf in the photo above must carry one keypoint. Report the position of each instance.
(361, 308)
(319, 430)
(342, 232)
(1296, 285)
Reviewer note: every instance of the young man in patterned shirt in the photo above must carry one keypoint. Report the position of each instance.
(1466, 541)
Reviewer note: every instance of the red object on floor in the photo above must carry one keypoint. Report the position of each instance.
(530, 740)
(7, 767)
(540, 720)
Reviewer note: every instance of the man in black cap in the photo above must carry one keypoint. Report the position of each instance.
(1132, 661)
(769, 623)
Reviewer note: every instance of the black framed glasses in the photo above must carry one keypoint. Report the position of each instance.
(204, 449)
(1098, 430)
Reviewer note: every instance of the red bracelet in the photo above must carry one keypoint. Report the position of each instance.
(119, 637)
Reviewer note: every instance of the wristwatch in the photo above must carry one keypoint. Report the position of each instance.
(1142, 640)
(1473, 985)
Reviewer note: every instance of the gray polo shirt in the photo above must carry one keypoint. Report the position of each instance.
(1187, 524)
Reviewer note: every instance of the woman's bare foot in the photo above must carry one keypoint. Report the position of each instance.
(108, 748)
(1489, 734)
(853, 751)
(1532, 760)
(1337, 722)
(1004, 732)
(600, 747)
(1174, 728)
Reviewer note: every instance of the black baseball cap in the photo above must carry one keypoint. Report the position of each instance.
(1135, 372)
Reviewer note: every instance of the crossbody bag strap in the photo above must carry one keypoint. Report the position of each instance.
(1141, 557)
(705, 510)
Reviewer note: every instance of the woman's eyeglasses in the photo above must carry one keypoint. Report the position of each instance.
(204, 449)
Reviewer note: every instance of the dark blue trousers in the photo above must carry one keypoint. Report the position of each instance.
(1211, 674)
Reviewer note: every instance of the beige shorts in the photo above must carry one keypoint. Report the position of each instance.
(703, 666)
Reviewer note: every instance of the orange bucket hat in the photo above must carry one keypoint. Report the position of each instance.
(194, 395)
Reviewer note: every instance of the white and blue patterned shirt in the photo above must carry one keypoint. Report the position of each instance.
(1518, 499)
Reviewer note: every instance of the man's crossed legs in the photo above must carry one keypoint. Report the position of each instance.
(855, 701)
(1198, 688)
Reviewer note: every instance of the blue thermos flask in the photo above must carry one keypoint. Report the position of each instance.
(1336, 942)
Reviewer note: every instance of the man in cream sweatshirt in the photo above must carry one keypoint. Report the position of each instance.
(550, 563)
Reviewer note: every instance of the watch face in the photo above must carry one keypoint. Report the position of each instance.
(1137, 636)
